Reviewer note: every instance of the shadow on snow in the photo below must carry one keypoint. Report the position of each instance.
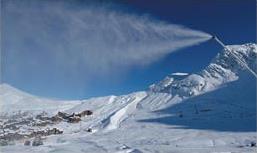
(230, 108)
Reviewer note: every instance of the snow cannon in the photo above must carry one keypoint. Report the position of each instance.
(233, 54)
(213, 37)
(221, 43)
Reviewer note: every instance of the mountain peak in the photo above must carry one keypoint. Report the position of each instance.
(223, 69)
(8, 89)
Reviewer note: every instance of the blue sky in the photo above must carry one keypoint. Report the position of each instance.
(233, 21)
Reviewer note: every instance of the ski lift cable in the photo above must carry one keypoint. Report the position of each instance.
(235, 56)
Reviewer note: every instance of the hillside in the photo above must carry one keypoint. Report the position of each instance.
(14, 100)
(213, 110)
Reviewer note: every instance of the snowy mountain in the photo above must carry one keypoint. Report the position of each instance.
(213, 110)
(221, 70)
(13, 100)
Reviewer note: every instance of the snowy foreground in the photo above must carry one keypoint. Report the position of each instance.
(210, 111)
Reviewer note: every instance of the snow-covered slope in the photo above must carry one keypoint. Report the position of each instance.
(13, 100)
(213, 110)
(221, 70)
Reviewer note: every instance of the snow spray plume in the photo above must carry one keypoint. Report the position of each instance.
(93, 39)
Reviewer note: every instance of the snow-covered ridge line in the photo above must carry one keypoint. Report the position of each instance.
(221, 70)
(14, 100)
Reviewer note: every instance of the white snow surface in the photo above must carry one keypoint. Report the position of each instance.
(212, 111)
(13, 100)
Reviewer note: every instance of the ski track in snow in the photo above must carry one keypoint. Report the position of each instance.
(116, 118)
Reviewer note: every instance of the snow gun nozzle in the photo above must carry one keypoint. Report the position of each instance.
(213, 37)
